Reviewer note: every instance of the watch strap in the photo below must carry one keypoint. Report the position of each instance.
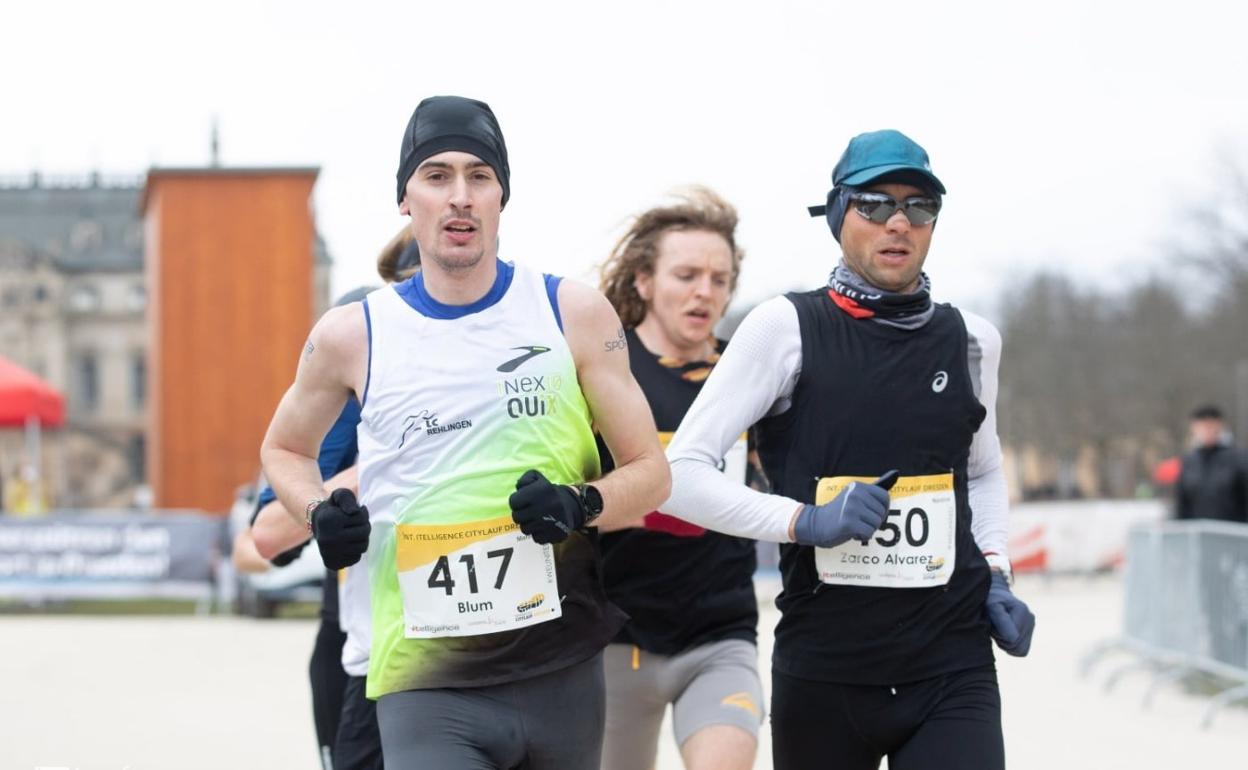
(1000, 563)
(307, 511)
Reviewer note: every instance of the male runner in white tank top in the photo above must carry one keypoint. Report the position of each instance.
(478, 380)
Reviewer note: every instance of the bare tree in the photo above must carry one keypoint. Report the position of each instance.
(1117, 373)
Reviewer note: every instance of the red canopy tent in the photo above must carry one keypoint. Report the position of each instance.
(25, 398)
(26, 401)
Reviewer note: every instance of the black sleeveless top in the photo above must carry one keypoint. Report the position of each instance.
(680, 592)
(870, 398)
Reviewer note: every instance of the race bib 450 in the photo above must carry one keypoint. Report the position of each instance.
(474, 578)
(913, 548)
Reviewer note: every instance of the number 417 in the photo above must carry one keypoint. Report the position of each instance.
(441, 575)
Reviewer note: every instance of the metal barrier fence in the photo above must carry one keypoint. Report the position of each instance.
(1186, 607)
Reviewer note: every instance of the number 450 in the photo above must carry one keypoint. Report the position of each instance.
(441, 575)
(914, 515)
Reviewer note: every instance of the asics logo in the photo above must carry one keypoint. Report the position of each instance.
(938, 384)
(532, 350)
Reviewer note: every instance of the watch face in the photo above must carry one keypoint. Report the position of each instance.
(592, 498)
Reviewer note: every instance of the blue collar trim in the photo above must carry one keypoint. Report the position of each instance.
(415, 294)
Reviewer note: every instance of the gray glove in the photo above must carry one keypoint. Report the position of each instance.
(854, 514)
(1012, 623)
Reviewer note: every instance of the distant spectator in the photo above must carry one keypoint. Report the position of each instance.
(25, 493)
(1213, 483)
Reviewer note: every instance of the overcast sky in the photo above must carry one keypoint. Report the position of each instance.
(1069, 134)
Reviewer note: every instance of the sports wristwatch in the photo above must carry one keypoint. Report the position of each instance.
(591, 502)
(1000, 563)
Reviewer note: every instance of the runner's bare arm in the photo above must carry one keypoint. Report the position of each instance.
(277, 530)
(245, 556)
(641, 479)
(333, 365)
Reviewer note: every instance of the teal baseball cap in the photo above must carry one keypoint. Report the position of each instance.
(869, 157)
(875, 154)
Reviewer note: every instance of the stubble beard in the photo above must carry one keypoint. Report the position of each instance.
(458, 264)
(877, 277)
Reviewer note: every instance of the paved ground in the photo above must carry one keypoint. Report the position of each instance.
(106, 693)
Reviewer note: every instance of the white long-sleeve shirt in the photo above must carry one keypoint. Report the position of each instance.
(755, 378)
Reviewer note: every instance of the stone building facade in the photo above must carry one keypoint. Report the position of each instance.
(73, 304)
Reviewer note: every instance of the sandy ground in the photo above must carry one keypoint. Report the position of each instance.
(108, 693)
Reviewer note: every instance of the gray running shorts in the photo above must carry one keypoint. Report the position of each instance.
(550, 722)
(712, 684)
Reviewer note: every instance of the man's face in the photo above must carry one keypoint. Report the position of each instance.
(688, 290)
(1206, 431)
(890, 255)
(454, 200)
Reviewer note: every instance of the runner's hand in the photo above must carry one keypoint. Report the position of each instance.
(547, 512)
(340, 526)
(854, 514)
(1010, 621)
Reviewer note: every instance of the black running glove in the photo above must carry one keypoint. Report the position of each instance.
(546, 512)
(340, 526)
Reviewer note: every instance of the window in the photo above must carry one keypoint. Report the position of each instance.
(138, 381)
(136, 297)
(133, 236)
(87, 376)
(86, 234)
(137, 452)
(84, 298)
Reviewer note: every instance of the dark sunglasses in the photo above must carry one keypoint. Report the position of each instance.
(879, 208)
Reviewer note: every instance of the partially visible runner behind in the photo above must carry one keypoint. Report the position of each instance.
(252, 554)
(479, 380)
(346, 721)
(691, 638)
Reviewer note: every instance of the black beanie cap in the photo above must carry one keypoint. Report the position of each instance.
(453, 123)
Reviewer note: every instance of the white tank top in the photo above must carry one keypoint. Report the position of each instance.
(459, 402)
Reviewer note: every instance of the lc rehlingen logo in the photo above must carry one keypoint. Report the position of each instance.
(427, 421)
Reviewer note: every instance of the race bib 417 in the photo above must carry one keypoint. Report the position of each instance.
(474, 578)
